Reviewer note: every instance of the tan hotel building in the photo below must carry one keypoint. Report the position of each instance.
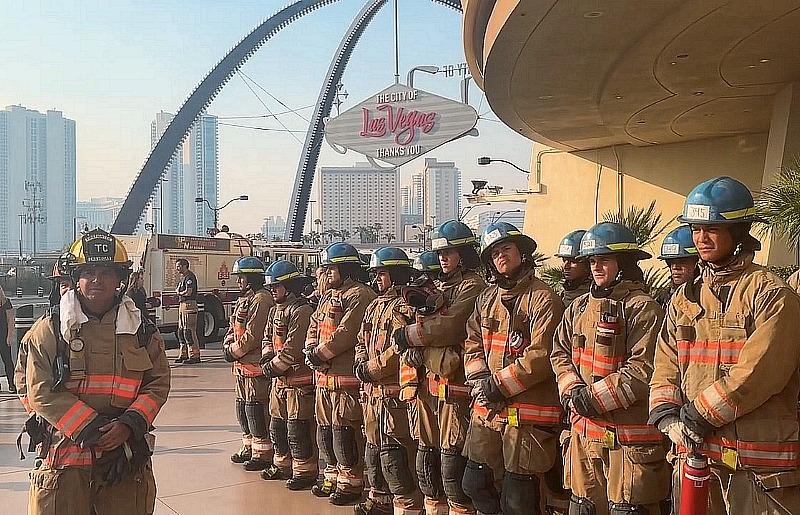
(630, 101)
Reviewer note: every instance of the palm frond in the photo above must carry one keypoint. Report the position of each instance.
(539, 259)
(779, 204)
(657, 280)
(553, 276)
(644, 222)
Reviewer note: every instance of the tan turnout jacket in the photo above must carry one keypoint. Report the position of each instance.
(729, 345)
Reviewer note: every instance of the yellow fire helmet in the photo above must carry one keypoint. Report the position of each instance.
(98, 247)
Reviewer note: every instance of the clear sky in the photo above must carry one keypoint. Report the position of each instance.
(111, 65)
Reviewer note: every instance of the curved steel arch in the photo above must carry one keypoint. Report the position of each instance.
(301, 192)
(159, 158)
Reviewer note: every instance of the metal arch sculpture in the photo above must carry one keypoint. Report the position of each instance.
(142, 189)
(157, 161)
(301, 192)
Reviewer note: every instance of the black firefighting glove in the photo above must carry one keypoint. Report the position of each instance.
(266, 367)
(360, 371)
(91, 434)
(582, 402)
(135, 422)
(120, 465)
(490, 390)
(694, 421)
(315, 362)
(226, 351)
(400, 340)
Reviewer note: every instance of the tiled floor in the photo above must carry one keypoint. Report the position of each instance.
(197, 432)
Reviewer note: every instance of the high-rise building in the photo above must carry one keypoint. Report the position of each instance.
(192, 172)
(441, 193)
(417, 189)
(405, 200)
(98, 212)
(360, 197)
(201, 172)
(273, 228)
(37, 167)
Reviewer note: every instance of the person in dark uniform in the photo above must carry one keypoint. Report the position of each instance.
(187, 314)
(6, 328)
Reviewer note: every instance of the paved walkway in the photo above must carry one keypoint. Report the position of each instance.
(197, 432)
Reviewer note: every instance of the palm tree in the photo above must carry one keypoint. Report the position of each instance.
(344, 234)
(553, 276)
(389, 237)
(644, 222)
(779, 205)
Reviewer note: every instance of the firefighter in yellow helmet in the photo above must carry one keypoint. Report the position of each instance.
(726, 379)
(96, 454)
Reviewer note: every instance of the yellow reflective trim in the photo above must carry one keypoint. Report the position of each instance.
(345, 259)
(691, 250)
(739, 213)
(623, 246)
(385, 262)
(250, 271)
(462, 241)
(287, 276)
(513, 233)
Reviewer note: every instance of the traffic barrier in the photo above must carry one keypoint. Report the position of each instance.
(24, 320)
(19, 291)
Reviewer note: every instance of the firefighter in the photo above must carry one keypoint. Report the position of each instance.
(614, 462)
(242, 347)
(330, 351)
(427, 268)
(390, 452)
(95, 446)
(291, 402)
(439, 413)
(680, 255)
(516, 413)
(187, 314)
(726, 368)
(577, 277)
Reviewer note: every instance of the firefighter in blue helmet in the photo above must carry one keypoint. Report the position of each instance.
(291, 402)
(512, 443)
(603, 358)
(390, 451)
(440, 408)
(680, 255)
(242, 347)
(330, 350)
(726, 377)
(577, 278)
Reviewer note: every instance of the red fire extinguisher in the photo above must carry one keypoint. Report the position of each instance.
(694, 485)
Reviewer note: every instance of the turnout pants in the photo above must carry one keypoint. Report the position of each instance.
(80, 491)
(8, 360)
(514, 460)
(253, 392)
(293, 430)
(390, 456)
(746, 491)
(340, 439)
(636, 475)
(440, 427)
(187, 329)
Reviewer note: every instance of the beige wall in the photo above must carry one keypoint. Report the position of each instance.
(664, 173)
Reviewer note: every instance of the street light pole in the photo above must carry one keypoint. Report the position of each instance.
(487, 160)
(500, 215)
(465, 211)
(216, 210)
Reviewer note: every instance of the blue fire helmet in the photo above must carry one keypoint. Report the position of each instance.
(678, 244)
(248, 265)
(339, 254)
(452, 234)
(722, 200)
(570, 246)
(610, 238)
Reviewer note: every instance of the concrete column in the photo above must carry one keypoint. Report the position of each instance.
(783, 149)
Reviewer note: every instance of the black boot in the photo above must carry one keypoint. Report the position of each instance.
(301, 483)
(323, 488)
(370, 507)
(344, 498)
(255, 464)
(242, 455)
(273, 472)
